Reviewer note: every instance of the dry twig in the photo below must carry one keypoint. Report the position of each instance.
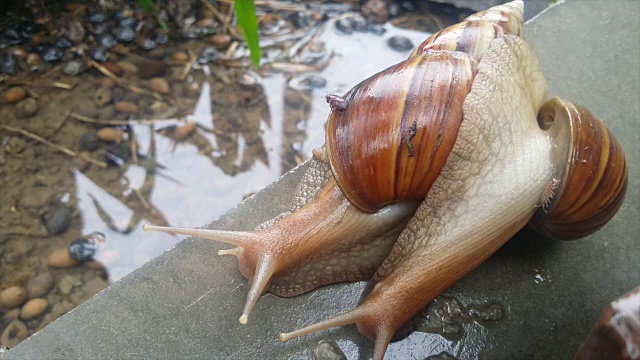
(220, 18)
(50, 144)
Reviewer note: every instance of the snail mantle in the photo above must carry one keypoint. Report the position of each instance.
(183, 304)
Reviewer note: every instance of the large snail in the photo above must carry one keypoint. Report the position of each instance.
(429, 167)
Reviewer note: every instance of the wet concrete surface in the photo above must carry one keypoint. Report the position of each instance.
(185, 303)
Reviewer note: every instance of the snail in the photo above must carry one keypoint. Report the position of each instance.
(428, 168)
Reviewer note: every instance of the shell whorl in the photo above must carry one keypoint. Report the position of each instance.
(391, 141)
(474, 34)
(590, 173)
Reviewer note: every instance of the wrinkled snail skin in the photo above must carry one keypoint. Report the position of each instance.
(430, 166)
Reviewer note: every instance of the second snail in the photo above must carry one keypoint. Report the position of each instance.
(428, 168)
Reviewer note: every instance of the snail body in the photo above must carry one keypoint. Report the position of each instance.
(430, 166)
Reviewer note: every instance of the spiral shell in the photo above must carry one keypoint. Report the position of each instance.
(392, 138)
(591, 173)
(474, 35)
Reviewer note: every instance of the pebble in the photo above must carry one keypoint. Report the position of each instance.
(26, 108)
(328, 350)
(124, 34)
(126, 107)
(111, 134)
(220, 41)
(39, 285)
(8, 63)
(89, 142)
(106, 113)
(60, 258)
(13, 296)
(33, 308)
(102, 96)
(98, 53)
(400, 43)
(208, 55)
(180, 57)
(14, 333)
(51, 54)
(63, 42)
(67, 283)
(73, 67)
(160, 85)
(59, 220)
(106, 40)
(127, 67)
(15, 94)
(184, 130)
(108, 83)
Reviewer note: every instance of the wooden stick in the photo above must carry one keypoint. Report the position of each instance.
(220, 18)
(50, 144)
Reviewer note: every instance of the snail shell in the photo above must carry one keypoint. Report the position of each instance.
(591, 180)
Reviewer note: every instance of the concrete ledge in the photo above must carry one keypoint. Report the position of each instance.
(186, 302)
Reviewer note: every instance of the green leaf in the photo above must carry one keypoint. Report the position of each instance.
(246, 11)
(145, 5)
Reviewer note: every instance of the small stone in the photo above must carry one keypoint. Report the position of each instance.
(73, 67)
(40, 285)
(180, 57)
(98, 53)
(51, 54)
(102, 96)
(58, 220)
(160, 85)
(184, 130)
(126, 107)
(108, 83)
(61, 259)
(111, 134)
(89, 142)
(106, 40)
(124, 33)
(376, 11)
(67, 283)
(14, 333)
(328, 350)
(127, 67)
(12, 314)
(26, 108)
(400, 43)
(94, 286)
(15, 94)
(13, 296)
(62, 307)
(208, 55)
(220, 41)
(33, 308)
(113, 68)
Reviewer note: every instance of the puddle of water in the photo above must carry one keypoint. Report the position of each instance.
(189, 190)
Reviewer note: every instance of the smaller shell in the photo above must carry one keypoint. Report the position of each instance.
(590, 178)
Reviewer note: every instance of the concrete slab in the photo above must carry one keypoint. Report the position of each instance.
(185, 303)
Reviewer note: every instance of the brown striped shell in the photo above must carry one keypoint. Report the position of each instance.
(399, 126)
(474, 35)
(591, 173)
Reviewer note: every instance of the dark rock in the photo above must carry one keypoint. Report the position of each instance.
(59, 220)
(124, 34)
(98, 53)
(159, 37)
(89, 142)
(26, 108)
(28, 28)
(377, 29)
(376, 11)
(106, 40)
(8, 63)
(117, 154)
(97, 17)
(344, 25)
(73, 67)
(12, 35)
(83, 249)
(531, 8)
(63, 42)
(97, 29)
(51, 54)
(400, 43)
(147, 44)
(208, 55)
(127, 22)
